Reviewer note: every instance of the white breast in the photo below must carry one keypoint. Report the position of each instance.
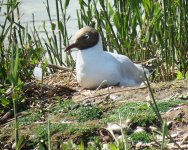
(94, 66)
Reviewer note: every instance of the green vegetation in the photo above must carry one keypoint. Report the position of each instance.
(29, 118)
(86, 113)
(139, 29)
(42, 134)
(139, 112)
(142, 30)
(141, 136)
(84, 122)
(63, 106)
(180, 76)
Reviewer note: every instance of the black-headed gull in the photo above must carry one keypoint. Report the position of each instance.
(94, 65)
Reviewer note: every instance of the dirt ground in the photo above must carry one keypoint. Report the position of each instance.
(63, 84)
(177, 117)
(161, 91)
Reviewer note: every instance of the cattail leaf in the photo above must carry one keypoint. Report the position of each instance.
(44, 24)
(16, 65)
(53, 26)
(66, 4)
(82, 3)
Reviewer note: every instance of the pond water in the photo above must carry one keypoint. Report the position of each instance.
(28, 8)
(38, 9)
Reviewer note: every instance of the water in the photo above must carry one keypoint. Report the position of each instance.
(28, 8)
(37, 7)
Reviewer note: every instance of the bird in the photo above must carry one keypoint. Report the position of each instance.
(95, 66)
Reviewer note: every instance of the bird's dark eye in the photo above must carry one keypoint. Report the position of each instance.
(86, 36)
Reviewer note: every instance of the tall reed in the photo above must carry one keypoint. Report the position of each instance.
(13, 34)
(18, 56)
(163, 125)
(53, 46)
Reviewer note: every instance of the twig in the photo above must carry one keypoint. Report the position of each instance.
(184, 139)
(127, 89)
(19, 115)
(101, 85)
(58, 67)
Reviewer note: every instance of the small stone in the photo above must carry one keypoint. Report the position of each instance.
(14, 145)
(139, 145)
(174, 135)
(115, 128)
(152, 129)
(127, 122)
(105, 147)
(113, 96)
(120, 137)
(139, 129)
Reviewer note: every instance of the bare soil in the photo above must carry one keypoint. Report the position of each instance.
(177, 89)
(63, 85)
